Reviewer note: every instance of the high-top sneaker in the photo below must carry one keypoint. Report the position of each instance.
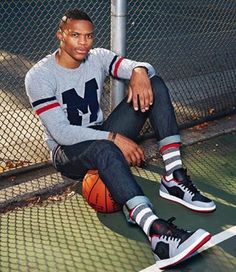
(171, 245)
(182, 190)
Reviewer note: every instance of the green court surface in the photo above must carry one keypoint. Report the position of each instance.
(70, 236)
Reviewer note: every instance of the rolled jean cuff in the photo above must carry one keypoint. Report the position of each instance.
(132, 203)
(169, 140)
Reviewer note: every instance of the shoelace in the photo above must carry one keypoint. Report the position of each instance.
(174, 231)
(187, 183)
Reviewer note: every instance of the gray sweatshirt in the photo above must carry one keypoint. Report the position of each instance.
(67, 101)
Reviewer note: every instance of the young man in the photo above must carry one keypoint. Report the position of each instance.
(65, 90)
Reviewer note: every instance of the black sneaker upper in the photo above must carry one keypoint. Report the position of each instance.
(181, 176)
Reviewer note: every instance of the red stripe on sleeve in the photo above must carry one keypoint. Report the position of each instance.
(48, 107)
(165, 147)
(117, 66)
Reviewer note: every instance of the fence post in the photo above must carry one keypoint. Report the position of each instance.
(118, 44)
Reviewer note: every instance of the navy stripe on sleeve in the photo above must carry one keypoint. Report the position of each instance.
(41, 101)
(112, 62)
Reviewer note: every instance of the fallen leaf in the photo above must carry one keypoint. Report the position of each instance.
(201, 126)
(10, 164)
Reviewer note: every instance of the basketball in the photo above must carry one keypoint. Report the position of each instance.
(97, 195)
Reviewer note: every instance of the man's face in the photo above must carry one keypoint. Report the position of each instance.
(76, 37)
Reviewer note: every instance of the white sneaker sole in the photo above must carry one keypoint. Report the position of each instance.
(188, 205)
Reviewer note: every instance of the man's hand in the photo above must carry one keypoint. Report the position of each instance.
(132, 152)
(140, 89)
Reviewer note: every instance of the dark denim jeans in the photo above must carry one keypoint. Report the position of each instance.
(75, 160)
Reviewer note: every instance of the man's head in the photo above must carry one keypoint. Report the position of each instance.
(73, 14)
(75, 34)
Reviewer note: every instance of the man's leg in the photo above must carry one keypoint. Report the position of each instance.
(128, 122)
(75, 160)
(176, 184)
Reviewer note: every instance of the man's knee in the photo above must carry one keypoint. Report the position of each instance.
(160, 90)
(158, 85)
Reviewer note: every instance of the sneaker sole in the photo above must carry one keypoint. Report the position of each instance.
(188, 205)
(186, 253)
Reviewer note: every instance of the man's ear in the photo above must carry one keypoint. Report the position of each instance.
(59, 35)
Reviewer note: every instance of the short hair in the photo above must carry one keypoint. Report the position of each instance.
(75, 14)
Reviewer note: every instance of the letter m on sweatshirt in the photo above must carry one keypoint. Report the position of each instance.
(79, 108)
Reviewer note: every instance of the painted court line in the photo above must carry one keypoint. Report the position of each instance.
(216, 239)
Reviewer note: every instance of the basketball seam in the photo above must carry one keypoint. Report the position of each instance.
(93, 187)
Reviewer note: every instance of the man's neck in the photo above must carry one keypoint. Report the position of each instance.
(66, 61)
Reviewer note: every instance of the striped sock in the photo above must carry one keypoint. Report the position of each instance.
(171, 158)
(143, 216)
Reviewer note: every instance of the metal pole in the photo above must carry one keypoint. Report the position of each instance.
(118, 44)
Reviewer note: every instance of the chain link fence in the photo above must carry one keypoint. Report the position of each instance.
(190, 43)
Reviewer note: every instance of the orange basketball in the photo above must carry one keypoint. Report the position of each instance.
(97, 195)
